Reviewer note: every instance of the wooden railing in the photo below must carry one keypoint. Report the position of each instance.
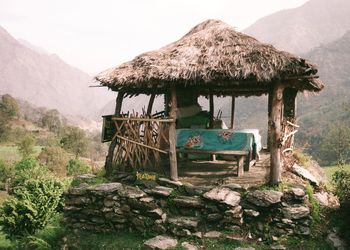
(141, 140)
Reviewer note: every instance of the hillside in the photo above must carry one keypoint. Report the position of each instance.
(298, 30)
(46, 80)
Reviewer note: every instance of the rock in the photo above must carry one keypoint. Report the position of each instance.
(235, 187)
(198, 235)
(214, 217)
(264, 198)
(327, 199)
(278, 247)
(298, 192)
(251, 213)
(188, 246)
(109, 203)
(131, 192)
(165, 181)
(196, 190)
(86, 177)
(188, 201)
(235, 238)
(305, 174)
(156, 213)
(184, 222)
(140, 204)
(235, 212)
(160, 242)
(212, 235)
(302, 230)
(160, 191)
(296, 212)
(81, 190)
(106, 188)
(224, 195)
(78, 200)
(336, 242)
(71, 208)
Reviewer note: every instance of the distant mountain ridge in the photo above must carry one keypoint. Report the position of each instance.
(46, 80)
(301, 29)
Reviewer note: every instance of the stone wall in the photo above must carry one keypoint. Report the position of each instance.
(170, 207)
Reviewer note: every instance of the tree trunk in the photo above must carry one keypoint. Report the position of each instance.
(275, 120)
(172, 137)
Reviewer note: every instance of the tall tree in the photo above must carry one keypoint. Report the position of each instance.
(74, 140)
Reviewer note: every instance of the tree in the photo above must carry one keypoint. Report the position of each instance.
(9, 105)
(55, 158)
(74, 140)
(51, 120)
(335, 144)
(26, 146)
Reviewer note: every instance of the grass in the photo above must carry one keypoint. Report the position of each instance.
(330, 170)
(11, 154)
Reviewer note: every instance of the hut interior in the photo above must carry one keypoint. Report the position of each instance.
(211, 60)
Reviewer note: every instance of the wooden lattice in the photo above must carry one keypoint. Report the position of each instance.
(141, 140)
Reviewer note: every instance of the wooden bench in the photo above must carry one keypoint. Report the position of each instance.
(243, 158)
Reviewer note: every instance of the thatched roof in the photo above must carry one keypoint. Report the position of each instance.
(212, 56)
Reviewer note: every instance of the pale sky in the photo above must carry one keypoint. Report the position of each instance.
(94, 35)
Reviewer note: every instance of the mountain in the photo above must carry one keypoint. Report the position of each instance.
(300, 29)
(46, 80)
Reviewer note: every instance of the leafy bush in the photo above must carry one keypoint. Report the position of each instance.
(31, 208)
(55, 158)
(26, 146)
(77, 167)
(6, 172)
(341, 181)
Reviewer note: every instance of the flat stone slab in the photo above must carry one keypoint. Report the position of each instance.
(224, 195)
(160, 190)
(305, 174)
(106, 188)
(165, 181)
(184, 222)
(188, 201)
(188, 246)
(212, 235)
(264, 198)
(244, 248)
(296, 212)
(131, 192)
(160, 242)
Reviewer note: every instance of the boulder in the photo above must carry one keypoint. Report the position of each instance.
(264, 198)
(188, 246)
(336, 242)
(305, 174)
(296, 212)
(188, 201)
(106, 188)
(327, 199)
(224, 195)
(165, 181)
(160, 242)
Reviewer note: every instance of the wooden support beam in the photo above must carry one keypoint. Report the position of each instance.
(172, 136)
(211, 110)
(275, 121)
(269, 107)
(233, 102)
(150, 104)
(289, 103)
(114, 142)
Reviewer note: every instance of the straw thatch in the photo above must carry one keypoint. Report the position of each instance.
(212, 56)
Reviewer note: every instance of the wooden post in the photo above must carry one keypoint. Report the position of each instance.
(289, 103)
(269, 107)
(150, 104)
(172, 136)
(109, 157)
(275, 133)
(211, 110)
(233, 112)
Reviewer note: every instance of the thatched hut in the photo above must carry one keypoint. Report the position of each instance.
(214, 59)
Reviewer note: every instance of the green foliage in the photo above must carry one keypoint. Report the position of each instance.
(31, 207)
(26, 146)
(315, 206)
(74, 140)
(9, 106)
(55, 158)
(77, 167)
(6, 172)
(335, 146)
(51, 120)
(341, 181)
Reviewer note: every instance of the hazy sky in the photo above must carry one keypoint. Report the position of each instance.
(97, 34)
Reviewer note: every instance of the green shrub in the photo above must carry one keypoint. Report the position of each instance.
(55, 158)
(341, 181)
(5, 171)
(31, 208)
(26, 146)
(77, 167)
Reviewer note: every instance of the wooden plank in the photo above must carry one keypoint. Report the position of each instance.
(141, 144)
(275, 120)
(233, 112)
(218, 152)
(150, 104)
(172, 136)
(240, 163)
